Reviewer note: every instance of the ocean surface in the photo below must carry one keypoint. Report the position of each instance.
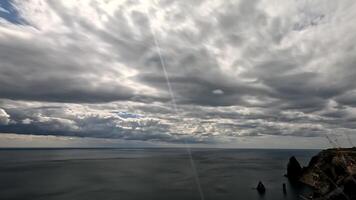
(154, 173)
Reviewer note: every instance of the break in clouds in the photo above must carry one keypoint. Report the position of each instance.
(237, 69)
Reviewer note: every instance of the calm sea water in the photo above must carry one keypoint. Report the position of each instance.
(84, 174)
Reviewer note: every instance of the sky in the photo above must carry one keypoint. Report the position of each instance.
(217, 73)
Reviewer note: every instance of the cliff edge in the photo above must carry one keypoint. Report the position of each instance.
(331, 173)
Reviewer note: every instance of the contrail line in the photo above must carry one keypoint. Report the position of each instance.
(175, 108)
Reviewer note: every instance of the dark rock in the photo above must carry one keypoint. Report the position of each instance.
(336, 194)
(350, 186)
(331, 174)
(261, 188)
(294, 170)
(284, 189)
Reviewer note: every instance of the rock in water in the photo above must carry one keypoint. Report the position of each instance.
(294, 170)
(261, 188)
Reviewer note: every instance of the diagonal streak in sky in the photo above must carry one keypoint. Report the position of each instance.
(175, 108)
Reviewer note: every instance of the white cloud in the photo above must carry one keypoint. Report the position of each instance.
(3, 10)
(4, 117)
(218, 92)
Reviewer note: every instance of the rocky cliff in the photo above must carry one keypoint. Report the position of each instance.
(331, 173)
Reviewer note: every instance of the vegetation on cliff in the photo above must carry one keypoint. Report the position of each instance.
(331, 173)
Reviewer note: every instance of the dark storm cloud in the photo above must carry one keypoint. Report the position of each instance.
(68, 120)
(53, 121)
(348, 98)
(237, 69)
(199, 88)
(35, 70)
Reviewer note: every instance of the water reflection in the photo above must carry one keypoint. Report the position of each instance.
(146, 174)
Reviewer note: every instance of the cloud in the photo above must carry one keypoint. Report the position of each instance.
(4, 117)
(87, 121)
(218, 92)
(157, 122)
(237, 69)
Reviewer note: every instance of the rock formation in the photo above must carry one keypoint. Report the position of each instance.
(284, 188)
(261, 188)
(294, 170)
(331, 173)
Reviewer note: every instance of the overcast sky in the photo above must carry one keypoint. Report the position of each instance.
(248, 73)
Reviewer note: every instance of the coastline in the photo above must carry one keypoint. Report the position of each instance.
(331, 173)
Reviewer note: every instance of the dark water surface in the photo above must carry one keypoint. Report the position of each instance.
(84, 174)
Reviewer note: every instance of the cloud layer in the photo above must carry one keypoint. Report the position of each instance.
(237, 69)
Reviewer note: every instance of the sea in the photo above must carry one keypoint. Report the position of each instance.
(148, 173)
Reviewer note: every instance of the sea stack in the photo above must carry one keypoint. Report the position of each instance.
(261, 188)
(284, 189)
(294, 170)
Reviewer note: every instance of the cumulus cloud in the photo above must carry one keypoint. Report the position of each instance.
(4, 117)
(237, 68)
